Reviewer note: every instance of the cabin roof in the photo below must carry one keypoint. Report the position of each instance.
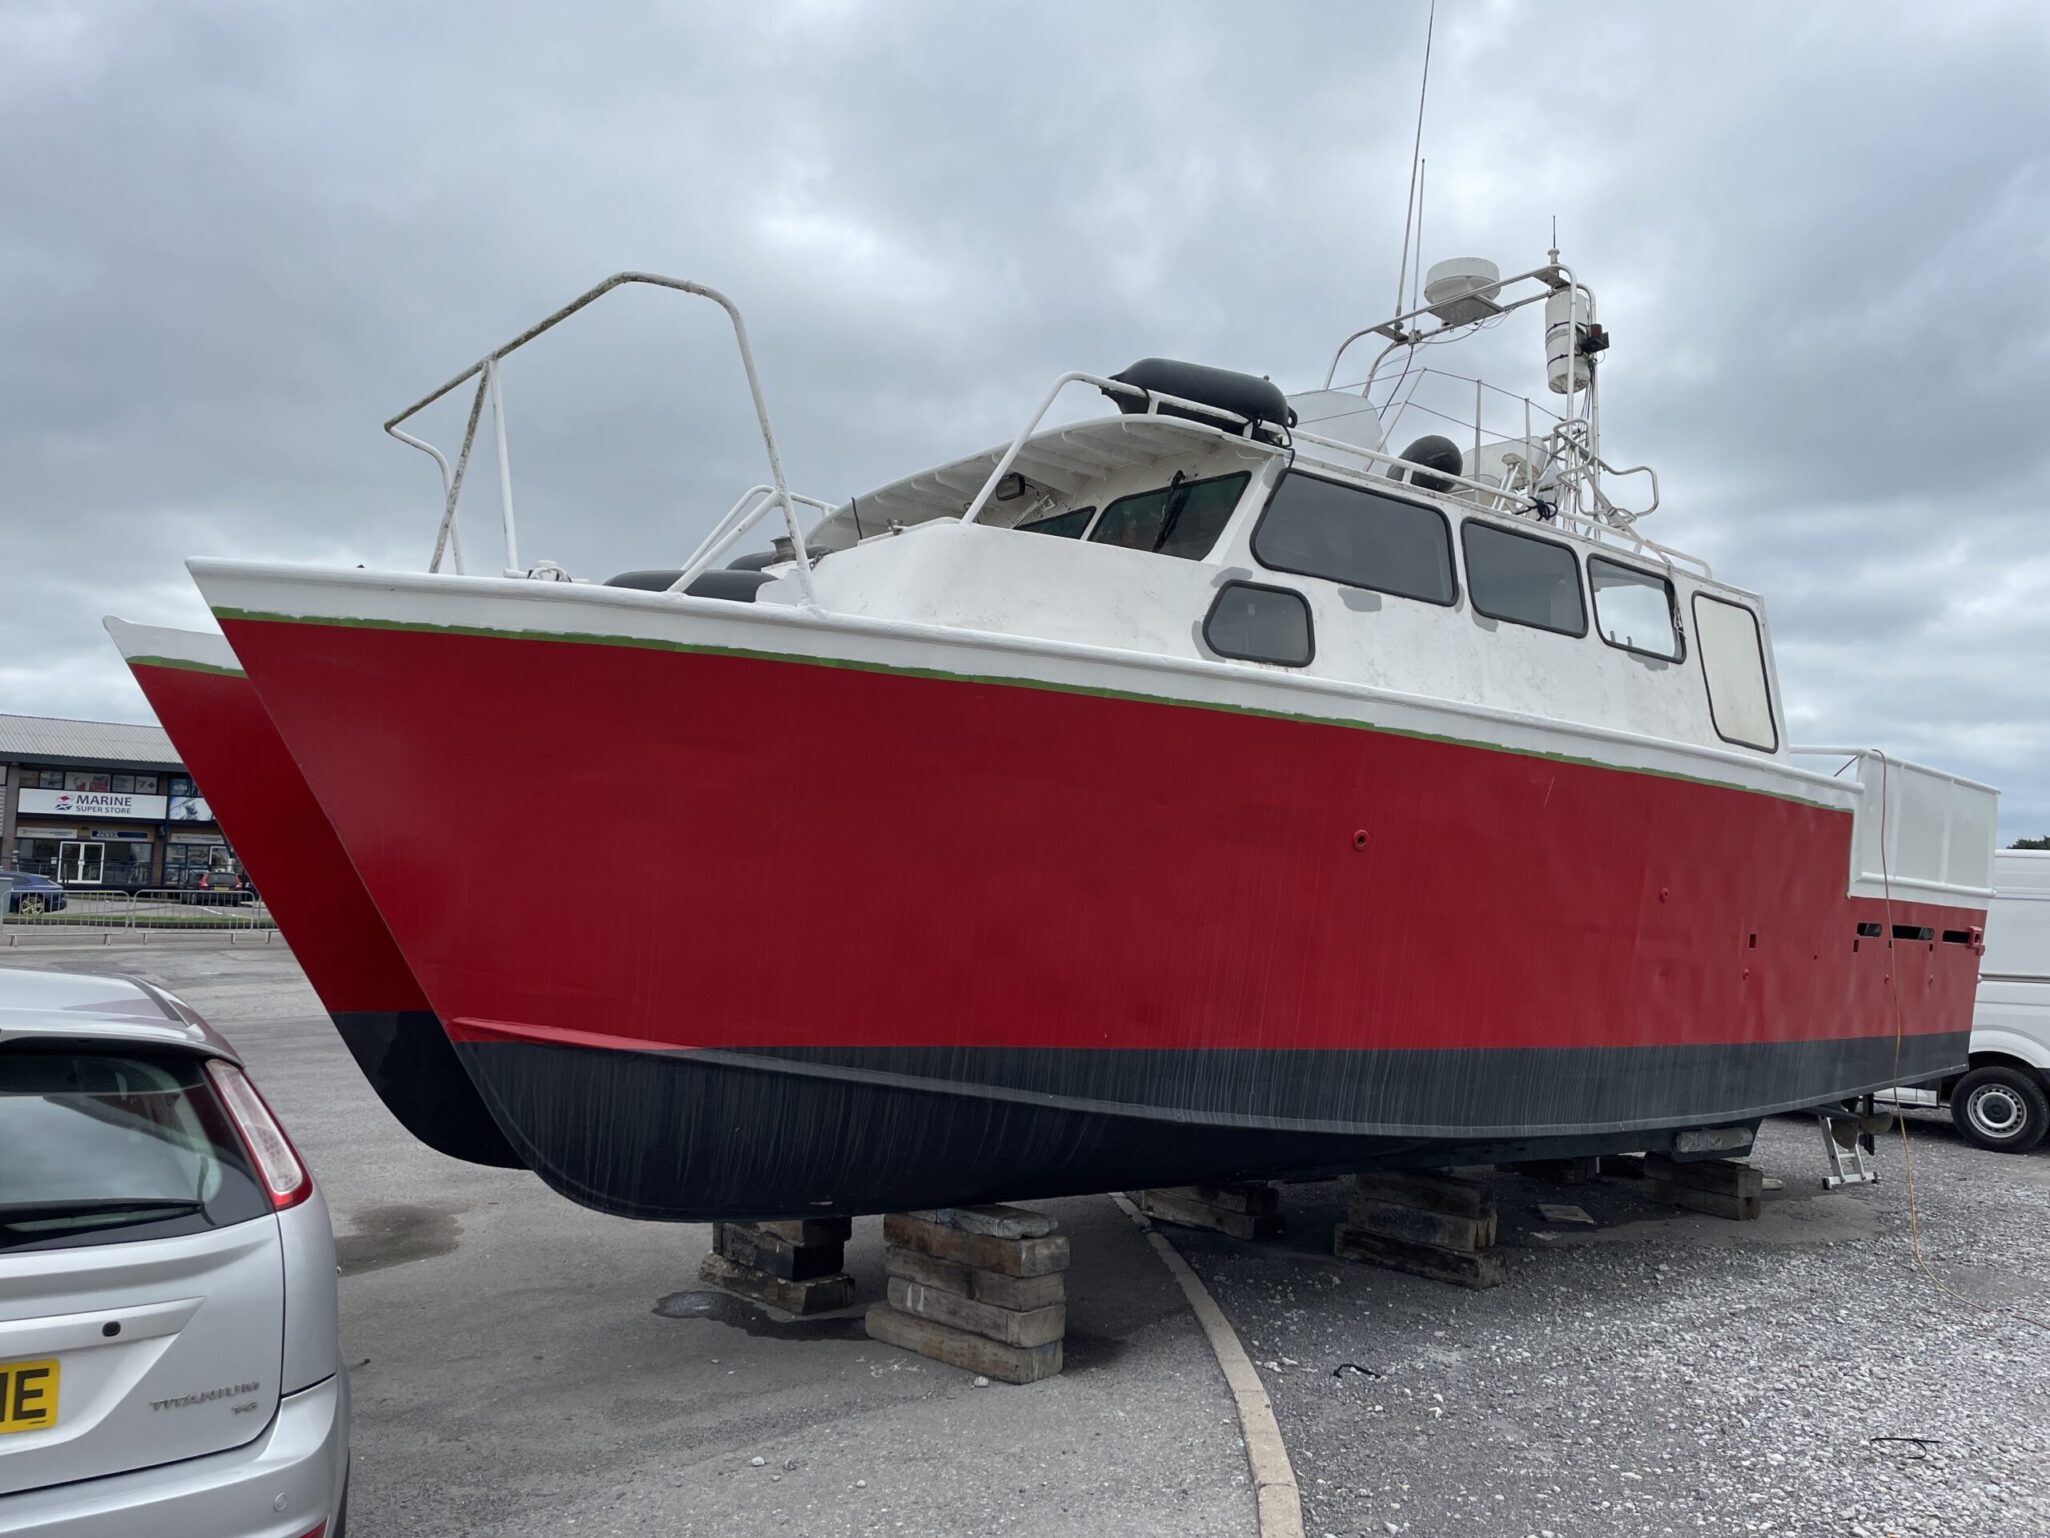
(1062, 459)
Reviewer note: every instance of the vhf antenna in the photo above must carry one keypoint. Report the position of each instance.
(1416, 151)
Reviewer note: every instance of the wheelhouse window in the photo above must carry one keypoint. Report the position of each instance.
(1256, 623)
(1320, 528)
(1181, 519)
(1061, 525)
(1733, 663)
(1634, 609)
(1522, 579)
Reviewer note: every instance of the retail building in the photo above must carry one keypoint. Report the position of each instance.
(103, 804)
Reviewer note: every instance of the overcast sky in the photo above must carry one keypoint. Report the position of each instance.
(235, 237)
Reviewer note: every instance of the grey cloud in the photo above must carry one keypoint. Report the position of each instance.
(240, 235)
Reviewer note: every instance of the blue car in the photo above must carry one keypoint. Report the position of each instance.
(33, 895)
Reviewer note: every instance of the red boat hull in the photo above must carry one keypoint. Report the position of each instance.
(916, 938)
(298, 865)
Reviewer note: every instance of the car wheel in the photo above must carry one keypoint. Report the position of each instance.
(2003, 1109)
(30, 903)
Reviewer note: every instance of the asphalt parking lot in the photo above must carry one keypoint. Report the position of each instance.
(522, 1366)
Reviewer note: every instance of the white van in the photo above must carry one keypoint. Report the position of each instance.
(2003, 1101)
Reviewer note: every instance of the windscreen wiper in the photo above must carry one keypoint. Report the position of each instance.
(15, 1213)
(1171, 514)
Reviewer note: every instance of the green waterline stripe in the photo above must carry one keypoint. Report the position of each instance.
(650, 643)
(185, 665)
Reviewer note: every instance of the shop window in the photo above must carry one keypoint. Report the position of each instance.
(1733, 663)
(1260, 624)
(1634, 609)
(1522, 579)
(1319, 528)
(145, 785)
(49, 779)
(122, 784)
(180, 785)
(86, 779)
(1181, 519)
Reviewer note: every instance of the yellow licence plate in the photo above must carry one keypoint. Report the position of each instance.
(28, 1395)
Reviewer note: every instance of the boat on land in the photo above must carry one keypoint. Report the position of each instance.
(1207, 789)
(211, 714)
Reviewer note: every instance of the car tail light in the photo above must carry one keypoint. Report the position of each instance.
(284, 1176)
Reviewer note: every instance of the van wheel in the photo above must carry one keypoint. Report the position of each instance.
(2003, 1109)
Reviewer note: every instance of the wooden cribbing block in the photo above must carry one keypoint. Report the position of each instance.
(996, 1222)
(819, 1295)
(1464, 1268)
(811, 1231)
(1719, 1187)
(1181, 1205)
(748, 1244)
(1020, 1292)
(1723, 1176)
(980, 1288)
(1414, 1225)
(962, 1348)
(1005, 1326)
(1426, 1189)
(1249, 1196)
(1011, 1257)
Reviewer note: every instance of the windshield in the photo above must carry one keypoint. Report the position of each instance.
(104, 1147)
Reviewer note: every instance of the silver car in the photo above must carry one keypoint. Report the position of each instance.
(170, 1360)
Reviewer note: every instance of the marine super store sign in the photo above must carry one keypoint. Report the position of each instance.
(94, 803)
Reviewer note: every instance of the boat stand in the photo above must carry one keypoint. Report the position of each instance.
(797, 1266)
(1244, 1209)
(1426, 1223)
(1846, 1138)
(1723, 1188)
(983, 1289)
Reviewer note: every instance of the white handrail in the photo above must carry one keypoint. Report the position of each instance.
(1553, 275)
(738, 519)
(1827, 751)
(449, 532)
(1154, 399)
(487, 367)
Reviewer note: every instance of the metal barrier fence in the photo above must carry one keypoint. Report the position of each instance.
(85, 916)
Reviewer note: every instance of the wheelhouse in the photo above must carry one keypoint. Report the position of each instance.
(1179, 539)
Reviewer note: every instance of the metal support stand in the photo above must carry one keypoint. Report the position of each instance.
(1846, 1139)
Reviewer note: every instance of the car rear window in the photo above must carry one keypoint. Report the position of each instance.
(103, 1148)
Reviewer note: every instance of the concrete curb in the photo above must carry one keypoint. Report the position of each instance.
(1274, 1487)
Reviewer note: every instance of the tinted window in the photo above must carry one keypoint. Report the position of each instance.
(1361, 538)
(1182, 520)
(1733, 662)
(1634, 609)
(1524, 580)
(101, 1148)
(1062, 525)
(1260, 624)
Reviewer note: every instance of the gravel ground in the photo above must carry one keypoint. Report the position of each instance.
(1657, 1374)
